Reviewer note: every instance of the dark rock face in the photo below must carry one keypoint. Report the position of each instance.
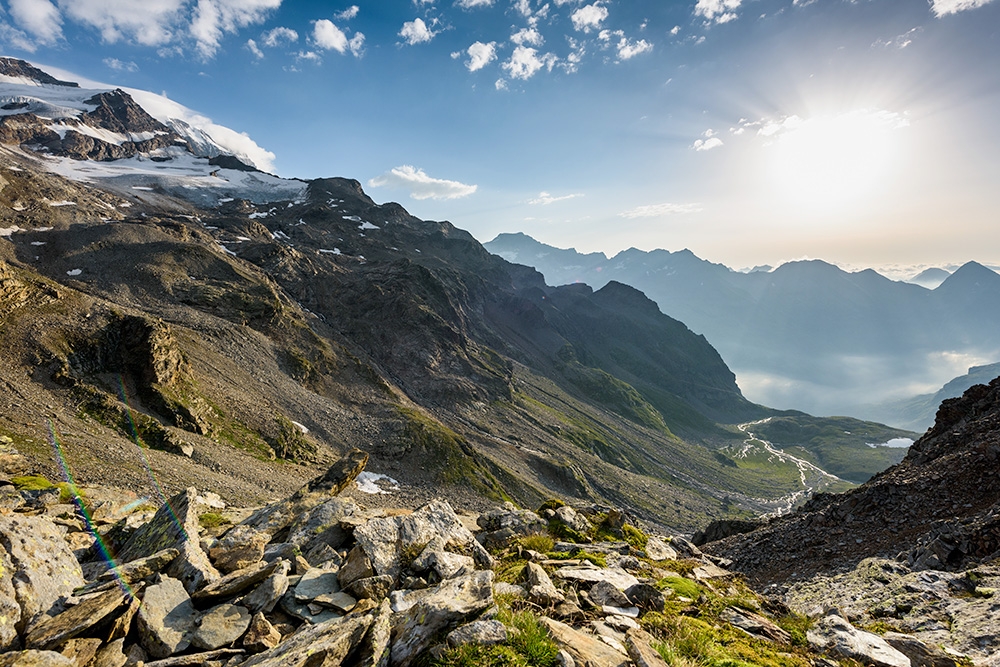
(21, 68)
(939, 508)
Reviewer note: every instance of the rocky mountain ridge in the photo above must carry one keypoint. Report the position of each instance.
(939, 509)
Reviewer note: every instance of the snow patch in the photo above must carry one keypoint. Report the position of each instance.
(38, 243)
(5, 232)
(301, 427)
(74, 272)
(335, 251)
(368, 483)
(62, 203)
(368, 225)
(895, 443)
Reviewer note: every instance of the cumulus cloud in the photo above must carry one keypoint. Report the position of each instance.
(589, 17)
(121, 66)
(659, 210)
(416, 32)
(214, 18)
(706, 144)
(480, 55)
(347, 14)
(420, 185)
(328, 36)
(945, 7)
(525, 62)
(279, 36)
(469, 4)
(624, 47)
(150, 23)
(717, 11)
(544, 198)
(529, 36)
(40, 18)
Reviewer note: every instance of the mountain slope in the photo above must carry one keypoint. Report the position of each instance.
(806, 335)
(941, 504)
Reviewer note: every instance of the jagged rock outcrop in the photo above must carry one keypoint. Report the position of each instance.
(937, 509)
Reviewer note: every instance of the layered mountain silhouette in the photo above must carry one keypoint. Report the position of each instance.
(805, 335)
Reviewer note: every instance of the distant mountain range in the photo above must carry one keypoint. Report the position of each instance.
(806, 335)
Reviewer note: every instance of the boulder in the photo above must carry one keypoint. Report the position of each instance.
(483, 633)
(920, 653)
(39, 569)
(81, 651)
(453, 602)
(275, 518)
(269, 591)
(34, 658)
(646, 597)
(617, 577)
(236, 582)
(174, 526)
(371, 588)
(323, 644)
(357, 566)
(52, 631)
(541, 590)
(220, 626)
(261, 635)
(444, 564)
(314, 583)
(585, 650)
(658, 549)
(166, 618)
(110, 655)
(640, 649)
(239, 548)
(755, 625)
(323, 523)
(375, 646)
(573, 519)
(834, 635)
(604, 594)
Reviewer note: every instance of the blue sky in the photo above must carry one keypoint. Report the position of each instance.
(750, 131)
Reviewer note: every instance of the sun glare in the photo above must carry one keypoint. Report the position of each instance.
(827, 162)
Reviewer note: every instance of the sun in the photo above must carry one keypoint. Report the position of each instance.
(825, 163)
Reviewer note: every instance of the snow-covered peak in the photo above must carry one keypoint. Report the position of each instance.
(49, 93)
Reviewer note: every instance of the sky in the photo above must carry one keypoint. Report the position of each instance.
(752, 132)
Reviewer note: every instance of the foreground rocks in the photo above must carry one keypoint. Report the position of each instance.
(318, 579)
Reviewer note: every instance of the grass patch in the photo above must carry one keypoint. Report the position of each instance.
(539, 543)
(681, 586)
(210, 520)
(31, 483)
(528, 645)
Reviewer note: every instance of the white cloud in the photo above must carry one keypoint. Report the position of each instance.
(719, 11)
(523, 7)
(501, 84)
(706, 144)
(628, 49)
(416, 32)
(544, 198)
(308, 56)
(589, 17)
(328, 36)
(17, 38)
(945, 7)
(120, 65)
(254, 49)
(525, 62)
(529, 36)
(676, 29)
(40, 18)
(659, 210)
(480, 55)
(469, 4)
(420, 185)
(898, 42)
(279, 36)
(347, 14)
(214, 18)
(150, 23)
